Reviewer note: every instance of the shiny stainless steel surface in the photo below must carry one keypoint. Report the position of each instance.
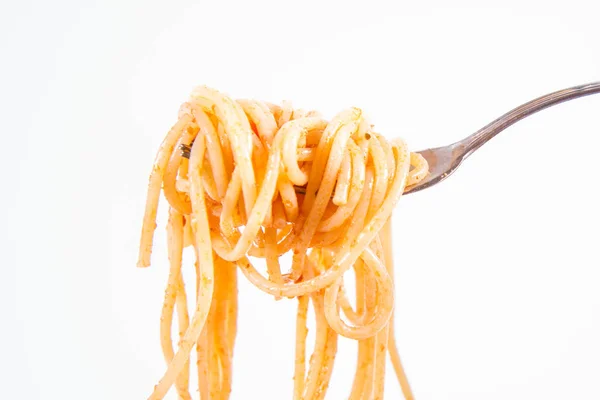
(443, 161)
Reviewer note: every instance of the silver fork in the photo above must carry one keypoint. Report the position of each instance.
(443, 161)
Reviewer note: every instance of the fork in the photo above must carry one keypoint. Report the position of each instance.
(443, 161)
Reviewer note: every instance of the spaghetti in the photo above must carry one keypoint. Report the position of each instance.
(247, 178)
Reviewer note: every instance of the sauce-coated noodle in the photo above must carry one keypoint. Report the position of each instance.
(248, 178)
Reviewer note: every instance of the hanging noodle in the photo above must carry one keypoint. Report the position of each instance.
(248, 178)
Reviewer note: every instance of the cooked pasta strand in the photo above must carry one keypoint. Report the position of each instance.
(252, 179)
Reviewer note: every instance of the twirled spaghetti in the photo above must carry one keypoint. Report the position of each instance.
(247, 178)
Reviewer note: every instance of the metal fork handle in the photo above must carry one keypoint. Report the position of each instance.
(483, 135)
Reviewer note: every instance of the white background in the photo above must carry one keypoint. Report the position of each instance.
(498, 268)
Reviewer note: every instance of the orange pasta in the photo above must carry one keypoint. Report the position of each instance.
(248, 178)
